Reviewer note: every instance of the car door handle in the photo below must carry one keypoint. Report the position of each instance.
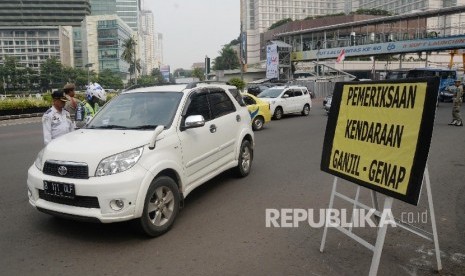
(212, 128)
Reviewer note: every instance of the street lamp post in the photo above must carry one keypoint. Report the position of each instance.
(88, 65)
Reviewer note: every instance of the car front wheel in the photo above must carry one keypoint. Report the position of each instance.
(245, 159)
(161, 206)
(278, 113)
(257, 123)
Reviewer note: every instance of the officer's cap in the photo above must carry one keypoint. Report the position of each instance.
(59, 95)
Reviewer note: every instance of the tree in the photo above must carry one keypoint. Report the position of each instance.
(227, 60)
(198, 73)
(158, 77)
(237, 82)
(51, 73)
(129, 55)
(109, 79)
(279, 23)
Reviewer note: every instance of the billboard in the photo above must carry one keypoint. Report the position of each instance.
(165, 72)
(378, 134)
(272, 61)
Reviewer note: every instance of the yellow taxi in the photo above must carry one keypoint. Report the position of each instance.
(259, 110)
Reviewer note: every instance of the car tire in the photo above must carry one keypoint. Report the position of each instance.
(161, 206)
(257, 123)
(306, 110)
(245, 159)
(278, 113)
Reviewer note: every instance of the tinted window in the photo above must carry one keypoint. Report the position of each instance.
(235, 93)
(248, 100)
(290, 93)
(220, 103)
(199, 106)
(297, 92)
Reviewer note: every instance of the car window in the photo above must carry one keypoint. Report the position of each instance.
(237, 95)
(199, 106)
(136, 110)
(271, 93)
(220, 103)
(248, 100)
(297, 92)
(290, 93)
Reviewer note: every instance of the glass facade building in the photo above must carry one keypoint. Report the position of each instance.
(102, 43)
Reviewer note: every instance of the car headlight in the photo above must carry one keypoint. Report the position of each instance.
(38, 161)
(119, 162)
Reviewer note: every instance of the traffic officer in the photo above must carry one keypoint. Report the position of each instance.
(457, 102)
(56, 121)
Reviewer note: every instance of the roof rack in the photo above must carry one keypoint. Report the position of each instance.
(196, 83)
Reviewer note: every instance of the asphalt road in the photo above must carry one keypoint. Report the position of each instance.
(221, 230)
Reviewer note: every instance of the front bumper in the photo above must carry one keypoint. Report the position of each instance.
(124, 186)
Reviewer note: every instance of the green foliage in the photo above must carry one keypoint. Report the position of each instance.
(279, 23)
(109, 79)
(227, 60)
(198, 73)
(373, 12)
(324, 16)
(237, 82)
(158, 77)
(22, 103)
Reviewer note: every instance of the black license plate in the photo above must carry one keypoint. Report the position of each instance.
(59, 189)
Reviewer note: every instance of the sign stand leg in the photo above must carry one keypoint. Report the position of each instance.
(374, 200)
(433, 218)
(331, 201)
(380, 241)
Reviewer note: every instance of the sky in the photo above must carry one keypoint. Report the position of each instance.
(193, 29)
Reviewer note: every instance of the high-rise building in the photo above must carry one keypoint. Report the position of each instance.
(32, 45)
(158, 50)
(102, 37)
(148, 37)
(43, 12)
(258, 15)
(44, 26)
(103, 7)
(128, 10)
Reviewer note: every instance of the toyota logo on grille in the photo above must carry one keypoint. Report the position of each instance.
(62, 170)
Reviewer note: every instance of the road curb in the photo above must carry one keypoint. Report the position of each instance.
(12, 117)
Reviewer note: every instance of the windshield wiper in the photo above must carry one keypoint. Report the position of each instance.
(109, 127)
(144, 127)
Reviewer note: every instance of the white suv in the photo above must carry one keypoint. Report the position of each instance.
(142, 154)
(287, 100)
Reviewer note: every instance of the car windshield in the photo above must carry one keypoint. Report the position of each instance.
(271, 93)
(144, 110)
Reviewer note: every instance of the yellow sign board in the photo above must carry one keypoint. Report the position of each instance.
(378, 134)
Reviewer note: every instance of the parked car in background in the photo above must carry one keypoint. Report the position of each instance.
(259, 111)
(142, 154)
(287, 100)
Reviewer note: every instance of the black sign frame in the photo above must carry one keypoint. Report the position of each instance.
(422, 147)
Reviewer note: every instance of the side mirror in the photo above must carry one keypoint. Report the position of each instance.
(193, 121)
(285, 96)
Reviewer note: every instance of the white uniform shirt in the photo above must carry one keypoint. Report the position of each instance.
(56, 124)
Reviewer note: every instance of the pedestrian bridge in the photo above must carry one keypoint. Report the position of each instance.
(428, 31)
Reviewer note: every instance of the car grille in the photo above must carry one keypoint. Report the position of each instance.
(77, 171)
(77, 201)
